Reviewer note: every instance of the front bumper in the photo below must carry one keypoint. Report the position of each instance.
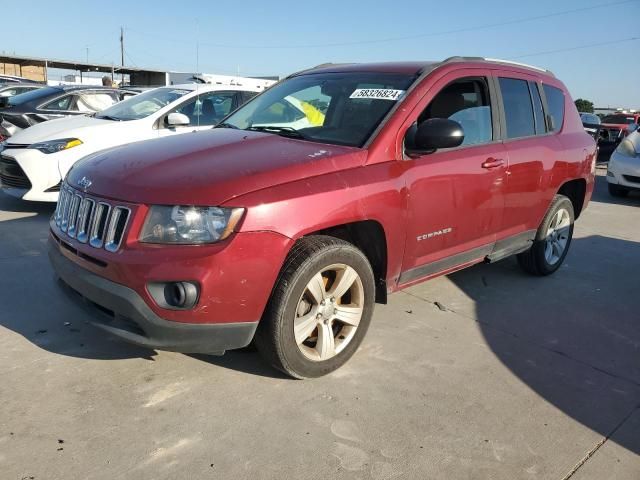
(624, 171)
(41, 172)
(122, 312)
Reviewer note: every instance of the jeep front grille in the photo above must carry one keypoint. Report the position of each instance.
(89, 220)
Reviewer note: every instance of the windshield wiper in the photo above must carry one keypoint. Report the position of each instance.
(107, 117)
(284, 131)
(226, 125)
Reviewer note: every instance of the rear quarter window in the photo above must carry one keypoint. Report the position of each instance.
(555, 107)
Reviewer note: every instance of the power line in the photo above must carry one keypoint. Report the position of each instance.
(580, 47)
(424, 35)
(394, 39)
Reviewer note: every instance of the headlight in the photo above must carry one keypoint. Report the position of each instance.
(184, 224)
(626, 148)
(54, 146)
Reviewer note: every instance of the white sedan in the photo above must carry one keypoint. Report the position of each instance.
(623, 172)
(35, 161)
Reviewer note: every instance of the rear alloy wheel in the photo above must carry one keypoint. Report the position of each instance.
(551, 244)
(320, 309)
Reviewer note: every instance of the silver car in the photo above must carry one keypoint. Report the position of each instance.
(623, 173)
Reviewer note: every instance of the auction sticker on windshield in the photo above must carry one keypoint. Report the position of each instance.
(377, 93)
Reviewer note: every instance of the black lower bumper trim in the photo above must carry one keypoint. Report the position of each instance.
(122, 312)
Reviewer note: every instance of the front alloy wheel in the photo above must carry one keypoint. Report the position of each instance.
(320, 309)
(329, 312)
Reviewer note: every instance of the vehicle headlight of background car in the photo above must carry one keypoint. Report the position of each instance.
(53, 146)
(627, 148)
(183, 224)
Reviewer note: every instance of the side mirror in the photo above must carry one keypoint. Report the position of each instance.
(176, 120)
(433, 134)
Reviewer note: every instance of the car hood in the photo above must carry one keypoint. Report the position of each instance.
(207, 168)
(68, 127)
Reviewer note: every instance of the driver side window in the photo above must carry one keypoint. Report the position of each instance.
(465, 101)
(208, 108)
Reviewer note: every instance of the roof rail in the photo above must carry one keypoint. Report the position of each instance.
(519, 64)
(497, 60)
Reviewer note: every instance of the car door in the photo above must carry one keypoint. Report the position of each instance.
(531, 148)
(455, 196)
(204, 111)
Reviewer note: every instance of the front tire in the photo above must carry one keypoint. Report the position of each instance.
(617, 190)
(320, 309)
(552, 241)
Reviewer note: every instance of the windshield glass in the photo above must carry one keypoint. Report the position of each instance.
(143, 105)
(590, 118)
(33, 95)
(619, 119)
(336, 108)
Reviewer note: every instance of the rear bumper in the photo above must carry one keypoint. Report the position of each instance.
(122, 312)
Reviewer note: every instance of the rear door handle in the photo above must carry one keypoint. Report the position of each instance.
(492, 163)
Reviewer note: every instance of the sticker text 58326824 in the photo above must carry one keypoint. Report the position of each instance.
(377, 93)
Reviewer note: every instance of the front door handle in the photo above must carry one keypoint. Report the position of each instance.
(492, 163)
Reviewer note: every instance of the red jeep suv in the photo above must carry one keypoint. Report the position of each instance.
(339, 185)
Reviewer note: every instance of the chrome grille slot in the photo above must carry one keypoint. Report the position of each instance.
(84, 216)
(115, 231)
(89, 220)
(99, 224)
(73, 215)
(64, 223)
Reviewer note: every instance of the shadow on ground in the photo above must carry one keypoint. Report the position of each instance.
(601, 194)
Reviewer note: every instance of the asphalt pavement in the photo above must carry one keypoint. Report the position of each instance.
(485, 373)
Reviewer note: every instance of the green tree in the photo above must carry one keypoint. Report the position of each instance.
(584, 105)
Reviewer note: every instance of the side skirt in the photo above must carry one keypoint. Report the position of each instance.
(511, 245)
(491, 253)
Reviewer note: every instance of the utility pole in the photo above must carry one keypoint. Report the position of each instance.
(121, 54)
(87, 54)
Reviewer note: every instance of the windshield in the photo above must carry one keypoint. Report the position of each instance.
(619, 119)
(335, 108)
(142, 105)
(590, 118)
(33, 95)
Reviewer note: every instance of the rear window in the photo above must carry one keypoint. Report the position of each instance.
(518, 110)
(619, 119)
(555, 106)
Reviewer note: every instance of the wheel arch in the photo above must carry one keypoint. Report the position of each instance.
(576, 191)
(368, 236)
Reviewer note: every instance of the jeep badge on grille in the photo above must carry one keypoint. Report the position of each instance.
(85, 183)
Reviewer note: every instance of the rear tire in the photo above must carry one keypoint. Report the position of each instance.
(320, 308)
(552, 240)
(617, 190)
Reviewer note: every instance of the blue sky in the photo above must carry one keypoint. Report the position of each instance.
(276, 38)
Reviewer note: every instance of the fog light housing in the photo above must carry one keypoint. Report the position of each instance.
(181, 295)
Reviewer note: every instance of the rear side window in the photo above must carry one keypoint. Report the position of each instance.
(518, 110)
(555, 105)
(537, 109)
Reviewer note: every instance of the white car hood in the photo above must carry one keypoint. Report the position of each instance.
(83, 127)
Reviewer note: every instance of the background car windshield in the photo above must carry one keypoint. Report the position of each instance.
(590, 118)
(33, 95)
(336, 108)
(143, 105)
